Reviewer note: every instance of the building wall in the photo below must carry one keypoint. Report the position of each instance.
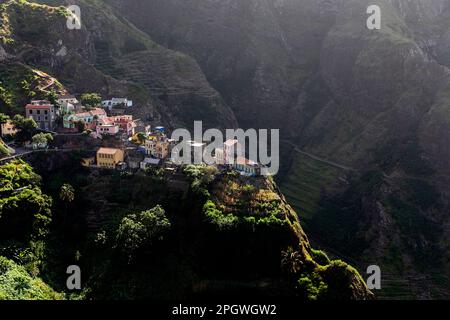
(109, 160)
(112, 130)
(44, 117)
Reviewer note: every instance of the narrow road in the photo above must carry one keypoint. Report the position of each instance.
(27, 152)
(331, 163)
(395, 175)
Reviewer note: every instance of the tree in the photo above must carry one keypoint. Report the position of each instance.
(52, 96)
(3, 119)
(140, 230)
(67, 193)
(17, 284)
(26, 127)
(42, 138)
(91, 100)
(291, 261)
(25, 212)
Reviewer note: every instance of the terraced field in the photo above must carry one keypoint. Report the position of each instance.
(305, 181)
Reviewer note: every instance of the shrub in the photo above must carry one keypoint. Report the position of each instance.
(320, 257)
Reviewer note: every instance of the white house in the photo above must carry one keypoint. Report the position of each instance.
(109, 104)
(66, 99)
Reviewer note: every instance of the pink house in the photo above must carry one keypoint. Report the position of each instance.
(125, 123)
(116, 124)
(107, 129)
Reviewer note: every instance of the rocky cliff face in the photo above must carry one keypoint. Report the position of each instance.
(376, 100)
(371, 100)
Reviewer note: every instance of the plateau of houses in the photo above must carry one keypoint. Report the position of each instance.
(156, 148)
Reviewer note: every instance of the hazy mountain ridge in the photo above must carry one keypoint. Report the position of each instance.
(371, 100)
(368, 99)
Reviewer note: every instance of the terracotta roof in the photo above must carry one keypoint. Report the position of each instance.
(98, 111)
(108, 150)
(36, 107)
(106, 121)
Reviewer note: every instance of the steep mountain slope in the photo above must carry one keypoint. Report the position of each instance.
(110, 56)
(140, 236)
(374, 101)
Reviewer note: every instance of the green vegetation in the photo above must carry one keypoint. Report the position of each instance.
(25, 212)
(67, 193)
(91, 100)
(26, 127)
(17, 284)
(137, 231)
(13, 97)
(42, 138)
(217, 218)
(25, 218)
(329, 280)
(304, 183)
(3, 149)
(124, 229)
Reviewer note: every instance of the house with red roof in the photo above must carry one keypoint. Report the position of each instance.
(43, 113)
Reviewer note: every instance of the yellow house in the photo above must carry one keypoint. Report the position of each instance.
(109, 158)
(8, 128)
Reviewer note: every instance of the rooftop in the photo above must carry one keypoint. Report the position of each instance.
(151, 161)
(108, 150)
(35, 107)
(66, 96)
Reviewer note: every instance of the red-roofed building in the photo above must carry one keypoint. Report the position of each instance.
(125, 123)
(43, 112)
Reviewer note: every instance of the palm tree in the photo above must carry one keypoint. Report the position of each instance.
(291, 260)
(67, 195)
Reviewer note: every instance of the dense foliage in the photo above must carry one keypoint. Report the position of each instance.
(17, 284)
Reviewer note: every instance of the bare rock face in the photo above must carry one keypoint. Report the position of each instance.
(367, 99)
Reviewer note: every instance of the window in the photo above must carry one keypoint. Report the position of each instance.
(38, 111)
(30, 111)
(46, 112)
